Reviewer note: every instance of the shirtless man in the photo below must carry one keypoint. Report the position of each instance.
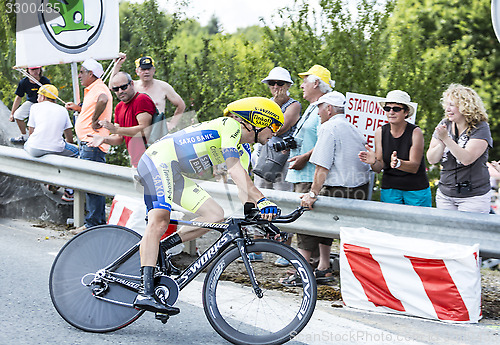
(158, 90)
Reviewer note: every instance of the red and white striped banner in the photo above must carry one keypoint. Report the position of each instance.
(131, 213)
(436, 280)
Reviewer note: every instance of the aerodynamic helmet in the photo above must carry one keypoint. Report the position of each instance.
(258, 111)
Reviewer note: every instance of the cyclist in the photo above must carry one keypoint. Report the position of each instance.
(193, 150)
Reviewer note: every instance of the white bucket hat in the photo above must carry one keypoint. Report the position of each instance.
(398, 96)
(278, 73)
(334, 98)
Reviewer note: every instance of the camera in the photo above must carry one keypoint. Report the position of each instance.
(463, 187)
(287, 144)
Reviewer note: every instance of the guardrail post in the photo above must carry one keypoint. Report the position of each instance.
(190, 247)
(79, 208)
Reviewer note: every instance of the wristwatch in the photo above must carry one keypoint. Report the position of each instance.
(312, 194)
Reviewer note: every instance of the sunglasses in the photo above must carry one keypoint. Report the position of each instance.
(275, 127)
(274, 82)
(395, 109)
(121, 87)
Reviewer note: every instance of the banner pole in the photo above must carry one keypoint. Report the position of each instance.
(74, 78)
(79, 203)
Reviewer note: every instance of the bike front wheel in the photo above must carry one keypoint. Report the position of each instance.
(240, 316)
(75, 266)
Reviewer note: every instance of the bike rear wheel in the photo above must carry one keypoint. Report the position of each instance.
(85, 254)
(235, 311)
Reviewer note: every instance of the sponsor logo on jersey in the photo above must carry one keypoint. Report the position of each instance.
(200, 164)
(198, 137)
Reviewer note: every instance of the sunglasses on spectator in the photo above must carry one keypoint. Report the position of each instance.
(395, 109)
(274, 82)
(121, 87)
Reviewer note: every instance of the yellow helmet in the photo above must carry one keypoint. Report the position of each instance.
(258, 111)
(49, 91)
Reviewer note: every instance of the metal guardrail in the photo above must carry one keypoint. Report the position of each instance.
(328, 216)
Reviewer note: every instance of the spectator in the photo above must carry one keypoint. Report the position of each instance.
(338, 173)
(317, 82)
(133, 116)
(461, 142)
(399, 152)
(159, 91)
(97, 106)
(47, 123)
(279, 82)
(20, 112)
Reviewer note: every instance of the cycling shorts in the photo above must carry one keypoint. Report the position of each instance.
(164, 183)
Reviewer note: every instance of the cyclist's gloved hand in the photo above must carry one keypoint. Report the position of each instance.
(268, 207)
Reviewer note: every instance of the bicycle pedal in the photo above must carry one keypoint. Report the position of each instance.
(162, 317)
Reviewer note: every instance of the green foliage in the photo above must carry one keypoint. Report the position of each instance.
(8, 77)
(351, 47)
(417, 46)
(146, 30)
(435, 43)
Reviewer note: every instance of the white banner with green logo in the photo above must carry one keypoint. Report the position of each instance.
(63, 31)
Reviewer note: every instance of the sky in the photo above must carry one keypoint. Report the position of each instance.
(232, 14)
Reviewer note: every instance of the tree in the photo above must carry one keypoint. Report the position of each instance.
(349, 45)
(435, 43)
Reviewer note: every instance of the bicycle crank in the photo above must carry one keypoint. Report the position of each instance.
(167, 290)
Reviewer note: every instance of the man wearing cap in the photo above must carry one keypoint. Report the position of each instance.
(316, 82)
(338, 171)
(19, 112)
(133, 117)
(47, 123)
(159, 91)
(97, 106)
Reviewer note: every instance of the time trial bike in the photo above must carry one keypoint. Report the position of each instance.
(96, 276)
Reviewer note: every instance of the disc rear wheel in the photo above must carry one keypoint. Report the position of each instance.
(75, 266)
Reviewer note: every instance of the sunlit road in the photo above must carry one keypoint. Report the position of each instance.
(28, 317)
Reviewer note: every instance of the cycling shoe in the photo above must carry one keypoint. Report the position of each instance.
(150, 303)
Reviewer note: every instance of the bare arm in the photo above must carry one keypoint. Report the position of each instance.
(292, 115)
(472, 151)
(73, 106)
(467, 155)
(178, 103)
(68, 135)
(31, 130)
(320, 175)
(416, 153)
(300, 161)
(248, 191)
(435, 151)
(374, 158)
(100, 106)
(144, 120)
(118, 66)
(17, 103)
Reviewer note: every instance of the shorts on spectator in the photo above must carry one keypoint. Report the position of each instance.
(360, 192)
(23, 112)
(310, 243)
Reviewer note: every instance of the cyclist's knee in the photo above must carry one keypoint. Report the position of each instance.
(158, 222)
(211, 212)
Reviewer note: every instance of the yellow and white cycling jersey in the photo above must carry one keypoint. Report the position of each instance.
(191, 150)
